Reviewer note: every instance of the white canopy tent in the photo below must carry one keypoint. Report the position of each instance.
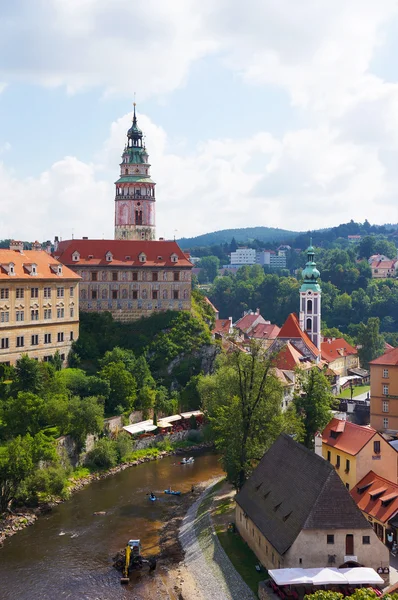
(142, 427)
(326, 576)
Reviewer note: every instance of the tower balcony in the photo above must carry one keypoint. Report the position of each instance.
(134, 196)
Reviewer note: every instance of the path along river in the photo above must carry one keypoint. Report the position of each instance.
(68, 553)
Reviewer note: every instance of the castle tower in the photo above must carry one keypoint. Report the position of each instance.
(135, 191)
(310, 300)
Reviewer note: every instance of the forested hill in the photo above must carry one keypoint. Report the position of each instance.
(263, 234)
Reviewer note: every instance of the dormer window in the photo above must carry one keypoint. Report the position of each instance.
(142, 257)
(109, 256)
(11, 269)
(34, 269)
(59, 269)
(174, 258)
(76, 256)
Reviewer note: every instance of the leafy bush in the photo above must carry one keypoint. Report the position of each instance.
(104, 454)
(194, 435)
(124, 446)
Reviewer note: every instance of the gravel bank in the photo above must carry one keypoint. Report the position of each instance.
(214, 573)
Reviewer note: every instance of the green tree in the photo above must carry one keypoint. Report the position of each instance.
(370, 341)
(86, 417)
(23, 414)
(142, 373)
(122, 385)
(104, 454)
(16, 464)
(146, 400)
(209, 266)
(29, 376)
(313, 403)
(367, 246)
(116, 355)
(243, 403)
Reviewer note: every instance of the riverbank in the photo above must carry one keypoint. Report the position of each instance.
(13, 522)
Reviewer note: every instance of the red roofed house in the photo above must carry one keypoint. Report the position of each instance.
(253, 326)
(382, 269)
(339, 355)
(384, 392)
(354, 450)
(378, 500)
(222, 327)
(129, 278)
(291, 332)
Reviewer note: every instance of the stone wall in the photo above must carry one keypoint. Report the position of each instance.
(152, 441)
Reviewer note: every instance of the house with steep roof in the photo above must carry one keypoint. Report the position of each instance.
(253, 326)
(377, 498)
(292, 332)
(294, 511)
(222, 327)
(354, 450)
(339, 355)
(383, 268)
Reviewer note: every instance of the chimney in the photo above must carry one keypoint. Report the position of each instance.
(257, 311)
(48, 247)
(84, 238)
(36, 246)
(56, 242)
(318, 444)
(161, 239)
(17, 246)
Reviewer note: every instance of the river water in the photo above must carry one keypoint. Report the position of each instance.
(68, 553)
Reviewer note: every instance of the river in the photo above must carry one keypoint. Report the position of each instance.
(68, 553)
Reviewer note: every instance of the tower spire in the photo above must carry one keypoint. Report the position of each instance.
(310, 299)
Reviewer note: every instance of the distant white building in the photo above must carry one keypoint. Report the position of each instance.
(243, 256)
(275, 260)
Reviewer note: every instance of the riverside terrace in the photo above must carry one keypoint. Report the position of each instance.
(166, 425)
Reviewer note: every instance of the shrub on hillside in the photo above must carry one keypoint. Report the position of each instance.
(104, 455)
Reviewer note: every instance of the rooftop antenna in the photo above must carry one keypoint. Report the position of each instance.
(175, 231)
(73, 235)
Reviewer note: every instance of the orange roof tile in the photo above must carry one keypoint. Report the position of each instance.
(264, 331)
(376, 496)
(46, 266)
(222, 326)
(388, 358)
(332, 349)
(247, 321)
(291, 330)
(288, 358)
(351, 439)
(124, 252)
(210, 304)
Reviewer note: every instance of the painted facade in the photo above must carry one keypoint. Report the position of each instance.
(39, 305)
(129, 279)
(384, 392)
(135, 191)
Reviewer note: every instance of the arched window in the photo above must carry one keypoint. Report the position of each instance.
(309, 324)
(309, 306)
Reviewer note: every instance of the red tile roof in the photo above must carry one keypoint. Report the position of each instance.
(247, 321)
(288, 358)
(332, 349)
(383, 264)
(124, 252)
(46, 266)
(351, 438)
(388, 358)
(376, 496)
(291, 330)
(222, 326)
(264, 331)
(388, 347)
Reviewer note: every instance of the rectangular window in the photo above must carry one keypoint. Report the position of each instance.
(4, 343)
(175, 294)
(47, 338)
(154, 295)
(60, 313)
(337, 462)
(385, 423)
(376, 447)
(347, 466)
(71, 336)
(34, 314)
(114, 294)
(154, 276)
(94, 276)
(72, 312)
(4, 316)
(385, 405)
(385, 373)
(4, 293)
(366, 539)
(47, 313)
(135, 294)
(329, 455)
(19, 293)
(114, 276)
(20, 341)
(60, 337)
(19, 315)
(385, 390)
(94, 294)
(60, 292)
(176, 276)
(71, 291)
(135, 276)
(34, 340)
(34, 292)
(47, 292)
(330, 539)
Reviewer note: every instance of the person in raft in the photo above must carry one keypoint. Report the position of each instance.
(152, 495)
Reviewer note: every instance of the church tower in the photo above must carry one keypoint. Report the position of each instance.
(135, 191)
(310, 300)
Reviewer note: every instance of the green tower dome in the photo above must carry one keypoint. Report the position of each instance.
(310, 273)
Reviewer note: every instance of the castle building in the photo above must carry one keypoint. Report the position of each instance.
(310, 300)
(129, 278)
(135, 191)
(39, 305)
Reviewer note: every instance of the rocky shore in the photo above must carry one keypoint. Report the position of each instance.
(12, 522)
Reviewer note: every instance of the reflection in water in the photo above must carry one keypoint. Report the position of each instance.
(68, 553)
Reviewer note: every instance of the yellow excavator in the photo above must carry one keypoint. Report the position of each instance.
(132, 560)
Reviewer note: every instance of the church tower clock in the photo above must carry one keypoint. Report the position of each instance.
(135, 191)
(310, 300)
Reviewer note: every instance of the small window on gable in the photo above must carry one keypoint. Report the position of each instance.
(109, 256)
(34, 269)
(75, 257)
(174, 258)
(11, 269)
(142, 257)
(59, 269)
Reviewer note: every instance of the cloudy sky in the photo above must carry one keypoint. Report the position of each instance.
(281, 113)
